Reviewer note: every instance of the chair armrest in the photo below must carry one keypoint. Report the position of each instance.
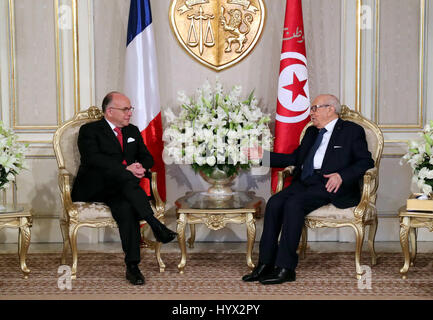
(368, 196)
(65, 185)
(159, 204)
(288, 171)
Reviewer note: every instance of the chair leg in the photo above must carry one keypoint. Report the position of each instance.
(66, 245)
(371, 236)
(413, 236)
(359, 232)
(23, 244)
(158, 256)
(191, 239)
(303, 246)
(73, 229)
(153, 245)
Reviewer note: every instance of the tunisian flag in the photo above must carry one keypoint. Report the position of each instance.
(141, 85)
(293, 105)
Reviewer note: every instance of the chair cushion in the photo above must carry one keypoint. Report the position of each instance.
(96, 210)
(92, 210)
(331, 212)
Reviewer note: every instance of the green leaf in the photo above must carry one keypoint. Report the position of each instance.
(428, 149)
(250, 97)
(428, 139)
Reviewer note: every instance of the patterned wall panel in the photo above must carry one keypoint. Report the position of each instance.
(400, 50)
(35, 64)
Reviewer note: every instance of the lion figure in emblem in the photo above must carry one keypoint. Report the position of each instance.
(233, 26)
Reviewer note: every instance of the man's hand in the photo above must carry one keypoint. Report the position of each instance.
(334, 182)
(137, 169)
(255, 153)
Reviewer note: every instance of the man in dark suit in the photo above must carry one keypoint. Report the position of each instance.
(329, 163)
(113, 160)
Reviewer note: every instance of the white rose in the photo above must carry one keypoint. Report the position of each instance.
(211, 161)
(199, 160)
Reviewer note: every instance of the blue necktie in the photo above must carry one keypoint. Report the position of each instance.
(308, 165)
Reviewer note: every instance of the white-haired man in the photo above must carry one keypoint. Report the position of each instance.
(329, 163)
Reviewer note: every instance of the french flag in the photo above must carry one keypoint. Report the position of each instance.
(141, 85)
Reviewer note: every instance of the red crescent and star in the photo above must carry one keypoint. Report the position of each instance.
(297, 87)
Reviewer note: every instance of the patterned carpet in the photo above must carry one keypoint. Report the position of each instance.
(214, 276)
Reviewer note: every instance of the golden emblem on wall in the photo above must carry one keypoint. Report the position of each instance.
(218, 33)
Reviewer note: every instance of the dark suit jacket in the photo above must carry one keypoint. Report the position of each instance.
(347, 154)
(102, 156)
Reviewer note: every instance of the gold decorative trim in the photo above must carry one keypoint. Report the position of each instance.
(91, 32)
(343, 43)
(12, 91)
(59, 92)
(358, 59)
(419, 125)
(41, 156)
(396, 141)
(76, 56)
(376, 66)
(48, 142)
(12, 75)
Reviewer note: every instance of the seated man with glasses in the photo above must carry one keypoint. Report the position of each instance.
(113, 160)
(330, 161)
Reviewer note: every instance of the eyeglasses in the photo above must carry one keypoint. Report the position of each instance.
(124, 110)
(317, 106)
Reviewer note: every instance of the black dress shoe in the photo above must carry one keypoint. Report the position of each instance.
(279, 275)
(134, 275)
(163, 234)
(261, 270)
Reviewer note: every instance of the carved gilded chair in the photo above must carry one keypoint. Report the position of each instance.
(360, 216)
(89, 214)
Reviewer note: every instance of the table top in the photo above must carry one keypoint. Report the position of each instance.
(201, 201)
(14, 211)
(402, 212)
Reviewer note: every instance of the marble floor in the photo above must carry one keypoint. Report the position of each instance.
(423, 247)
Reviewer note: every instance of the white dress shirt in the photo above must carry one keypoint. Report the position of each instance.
(320, 153)
(112, 127)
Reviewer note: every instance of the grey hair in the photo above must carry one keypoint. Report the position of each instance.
(333, 100)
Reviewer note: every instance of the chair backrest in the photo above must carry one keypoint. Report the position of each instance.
(373, 134)
(65, 139)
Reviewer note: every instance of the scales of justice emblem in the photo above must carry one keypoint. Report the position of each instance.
(218, 33)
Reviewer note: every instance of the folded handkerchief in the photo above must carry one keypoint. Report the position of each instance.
(338, 147)
(130, 140)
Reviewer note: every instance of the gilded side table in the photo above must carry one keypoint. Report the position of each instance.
(409, 221)
(215, 212)
(19, 217)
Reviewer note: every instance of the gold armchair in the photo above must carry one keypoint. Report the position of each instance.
(360, 216)
(88, 214)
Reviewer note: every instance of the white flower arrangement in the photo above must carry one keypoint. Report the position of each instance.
(419, 157)
(215, 129)
(11, 157)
